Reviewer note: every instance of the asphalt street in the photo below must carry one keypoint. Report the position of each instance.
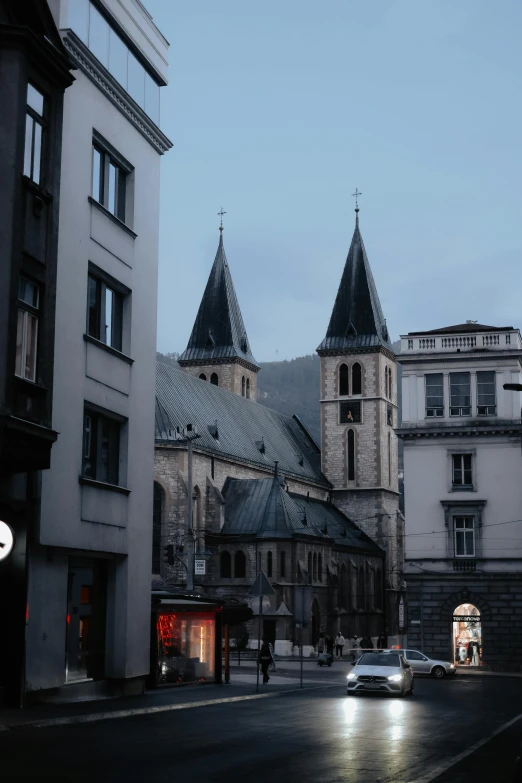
(309, 735)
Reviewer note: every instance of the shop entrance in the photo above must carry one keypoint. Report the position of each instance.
(467, 636)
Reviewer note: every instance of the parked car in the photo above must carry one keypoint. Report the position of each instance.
(381, 672)
(421, 664)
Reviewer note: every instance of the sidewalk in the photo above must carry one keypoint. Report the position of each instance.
(242, 688)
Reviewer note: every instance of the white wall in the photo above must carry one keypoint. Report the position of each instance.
(119, 525)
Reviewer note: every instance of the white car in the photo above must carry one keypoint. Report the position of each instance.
(421, 664)
(381, 672)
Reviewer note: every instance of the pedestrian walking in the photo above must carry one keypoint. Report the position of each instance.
(265, 660)
(366, 643)
(339, 645)
(356, 647)
(321, 644)
(329, 644)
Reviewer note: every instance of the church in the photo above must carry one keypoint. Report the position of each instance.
(264, 495)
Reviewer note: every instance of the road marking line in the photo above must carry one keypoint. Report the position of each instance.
(114, 714)
(456, 759)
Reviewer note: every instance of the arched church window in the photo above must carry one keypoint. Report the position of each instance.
(343, 380)
(225, 565)
(386, 381)
(319, 567)
(269, 563)
(389, 460)
(282, 565)
(240, 565)
(315, 567)
(377, 591)
(202, 377)
(361, 597)
(351, 455)
(196, 508)
(243, 386)
(344, 591)
(248, 388)
(157, 519)
(389, 383)
(310, 568)
(214, 379)
(356, 378)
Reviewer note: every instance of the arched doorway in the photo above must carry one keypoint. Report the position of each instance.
(467, 635)
(316, 622)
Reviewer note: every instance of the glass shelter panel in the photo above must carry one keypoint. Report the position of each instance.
(186, 647)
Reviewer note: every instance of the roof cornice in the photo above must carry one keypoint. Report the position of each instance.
(222, 360)
(474, 430)
(91, 67)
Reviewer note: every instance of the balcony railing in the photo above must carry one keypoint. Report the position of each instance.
(459, 342)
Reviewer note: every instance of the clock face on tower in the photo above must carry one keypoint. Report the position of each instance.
(350, 412)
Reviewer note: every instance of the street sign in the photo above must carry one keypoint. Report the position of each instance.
(261, 586)
(199, 567)
(401, 613)
(6, 540)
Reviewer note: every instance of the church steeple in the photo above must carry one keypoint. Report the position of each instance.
(219, 341)
(357, 319)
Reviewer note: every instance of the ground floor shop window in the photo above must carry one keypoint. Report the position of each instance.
(467, 636)
(186, 647)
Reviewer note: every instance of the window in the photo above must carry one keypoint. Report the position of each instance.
(508, 339)
(350, 412)
(203, 377)
(389, 383)
(315, 567)
(101, 447)
(378, 589)
(225, 565)
(410, 345)
(462, 476)
(460, 394)
(486, 395)
(214, 379)
(310, 568)
(248, 388)
(243, 386)
(114, 54)
(33, 134)
(386, 381)
(343, 380)
(389, 460)
(104, 313)
(361, 598)
(319, 567)
(356, 378)
(351, 455)
(157, 518)
(27, 329)
(389, 415)
(282, 565)
(109, 180)
(434, 394)
(269, 564)
(464, 536)
(240, 565)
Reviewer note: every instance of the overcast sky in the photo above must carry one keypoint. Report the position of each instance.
(279, 109)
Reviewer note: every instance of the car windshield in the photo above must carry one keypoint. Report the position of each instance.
(378, 659)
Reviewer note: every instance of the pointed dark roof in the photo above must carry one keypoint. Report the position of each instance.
(263, 508)
(357, 319)
(219, 331)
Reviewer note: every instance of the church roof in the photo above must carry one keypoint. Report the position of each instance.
(357, 319)
(219, 331)
(234, 427)
(463, 328)
(264, 509)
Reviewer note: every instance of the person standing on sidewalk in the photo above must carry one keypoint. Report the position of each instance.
(339, 645)
(265, 659)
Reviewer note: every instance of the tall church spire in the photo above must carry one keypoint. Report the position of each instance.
(219, 339)
(357, 319)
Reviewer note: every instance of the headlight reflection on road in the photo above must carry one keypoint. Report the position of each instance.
(350, 706)
(396, 708)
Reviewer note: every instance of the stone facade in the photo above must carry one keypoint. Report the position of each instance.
(235, 376)
(498, 597)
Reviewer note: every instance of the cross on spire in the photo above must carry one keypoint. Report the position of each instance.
(221, 213)
(356, 195)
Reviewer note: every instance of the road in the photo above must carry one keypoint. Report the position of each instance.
(310, 735)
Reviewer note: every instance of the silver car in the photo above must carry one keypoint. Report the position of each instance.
(421, 664)
(384, 672)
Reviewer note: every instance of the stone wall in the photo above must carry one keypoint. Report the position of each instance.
(498, 597)
(230, 376)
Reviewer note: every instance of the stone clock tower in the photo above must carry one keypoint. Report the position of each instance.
(358, 417)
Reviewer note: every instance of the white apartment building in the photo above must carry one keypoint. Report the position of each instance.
(463, 502)
(90, 565)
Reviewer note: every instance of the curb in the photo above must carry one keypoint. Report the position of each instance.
(117, 714)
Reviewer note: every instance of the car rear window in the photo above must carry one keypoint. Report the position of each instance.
(378, 659)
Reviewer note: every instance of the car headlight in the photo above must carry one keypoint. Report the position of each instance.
(450, 665)
(351, 676)
(395, 678)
